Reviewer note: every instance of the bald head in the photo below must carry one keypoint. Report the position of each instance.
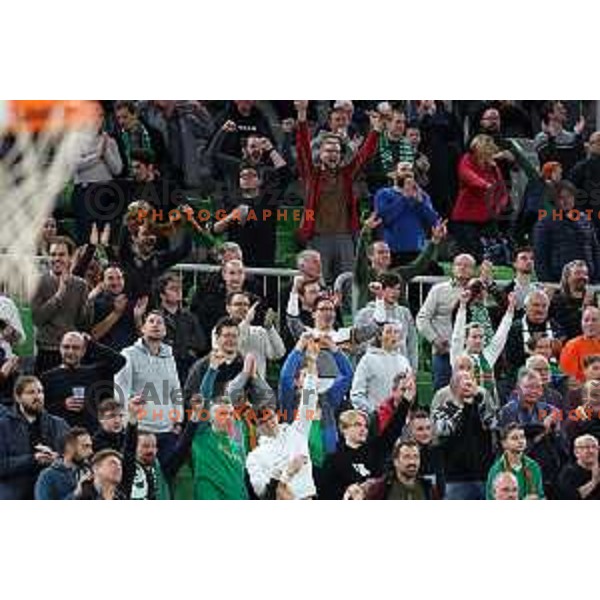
(590, 322)
(72, 348)
(506, 487)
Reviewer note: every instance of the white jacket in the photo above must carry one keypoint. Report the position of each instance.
(273, 454)
(373, 377)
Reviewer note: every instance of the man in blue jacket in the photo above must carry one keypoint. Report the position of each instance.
(406, 214)
(30, 439)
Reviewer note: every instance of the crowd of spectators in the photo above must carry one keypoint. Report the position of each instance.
(147, 383)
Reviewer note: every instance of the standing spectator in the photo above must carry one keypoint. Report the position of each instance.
(184, 334)
(74, 389)
(377, 371)
(59, 480)
(465, 440)
(111, 430)
(421, 164)
(59, 305)
(563, 236)
(585, 419)
(133, 135)
(575, 351)
(522, 284)
(151, 371)
(331, 213)
(566, 306)
(513, 460)
(30, 439)
(11, 334)
(434, 320)
(442, 144)
(393, 148)
(554, 143)
(95, 195)
(586, 176)
(387, 289)
(407, 215)
(265, 342)
(482, 197)
(581, 480)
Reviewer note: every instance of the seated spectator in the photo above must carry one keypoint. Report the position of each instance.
(332, 390)
(554, 143)
(264, 343)
(505, 487)
(513, 460)
(184, 334)
(404, 481)
(567, 304)
(539, 363)
(107, 481)
(482, 197)
(30, 439)
(59, 305)
(115, 317)
(581, 480)
(469, 338)
(434, 319)
(576, 350)
(74, 389)
(361, 455)
(331, 212)
(388, 289)
(465, 440)
(218, 461)
(406, 215)
(59, 480)
(540, 344)
(282, 455)
(150, 371)
(565, 235)
(377, 370)
(420, 429)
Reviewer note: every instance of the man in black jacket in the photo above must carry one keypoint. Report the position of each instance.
(586, 176)
(75, 388)
(30, 439)
(466, 442)
(361, 456)
(581, 479)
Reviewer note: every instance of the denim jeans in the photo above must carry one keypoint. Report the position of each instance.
(441, 371)
(465, 490)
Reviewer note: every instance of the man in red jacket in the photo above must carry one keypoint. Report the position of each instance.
(331, 211)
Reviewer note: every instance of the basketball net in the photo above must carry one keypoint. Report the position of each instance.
(37, 159)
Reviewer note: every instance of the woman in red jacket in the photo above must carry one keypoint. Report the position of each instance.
(482, 196)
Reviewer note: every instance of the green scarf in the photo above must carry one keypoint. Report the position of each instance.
(484, 374)
(315, 444)
(480, 315)
(391, 153)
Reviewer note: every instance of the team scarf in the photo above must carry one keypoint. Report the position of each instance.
(481, 316)
(386, 152)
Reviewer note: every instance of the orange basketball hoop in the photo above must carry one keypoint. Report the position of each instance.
(39, 115)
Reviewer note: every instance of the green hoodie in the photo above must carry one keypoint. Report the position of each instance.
(529, 477)
(218, 465)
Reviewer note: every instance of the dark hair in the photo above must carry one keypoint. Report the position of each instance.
(102, 454)
(246, 166)
(509, 428)
(143, 156)
(107, 405)
(419, 414)
(64, 241)
(155, 313)
(521, 249)
(22, 382)
(74, 433)
(547, 108)
(398, 377)
(590, 360)
(323, 297)
(127, 104)
(224, 322)
(164, 281)
(566, 186)
(389, 280)
(401, 443)
(230, 296)
(534, 339)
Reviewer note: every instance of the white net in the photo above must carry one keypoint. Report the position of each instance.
(34, 168)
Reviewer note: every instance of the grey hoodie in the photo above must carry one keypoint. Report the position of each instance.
(156, 376)
(373, 378)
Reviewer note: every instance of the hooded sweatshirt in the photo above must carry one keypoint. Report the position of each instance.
(155, 376)
(375, 372)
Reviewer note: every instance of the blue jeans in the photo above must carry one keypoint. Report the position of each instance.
(465, 490)
(441, 371)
